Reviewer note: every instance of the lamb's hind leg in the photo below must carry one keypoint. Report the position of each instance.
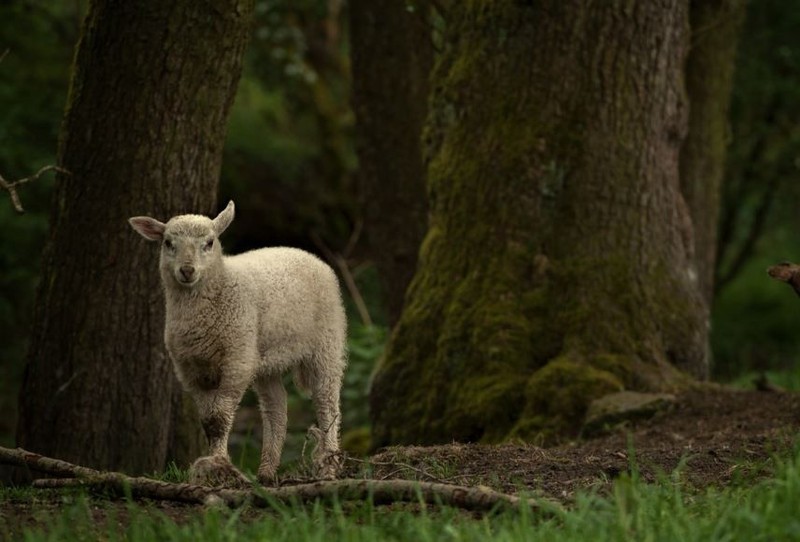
(272, 402)
(325, 382)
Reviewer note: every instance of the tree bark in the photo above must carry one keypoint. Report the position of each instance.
(392, 55)
(143, 133)
(556, 266)
(709, 77)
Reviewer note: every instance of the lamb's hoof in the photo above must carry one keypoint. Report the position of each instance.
(217, 471)
(328, 467)
(267, 480)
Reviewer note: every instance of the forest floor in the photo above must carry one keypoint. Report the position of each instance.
(710, 437)
(713, 437)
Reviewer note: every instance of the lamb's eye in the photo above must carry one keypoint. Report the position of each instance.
(168, 243)
(209, 244)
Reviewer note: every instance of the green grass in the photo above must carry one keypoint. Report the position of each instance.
(633, 511)
(173, 474)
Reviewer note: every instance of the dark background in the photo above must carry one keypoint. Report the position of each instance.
(290, 164)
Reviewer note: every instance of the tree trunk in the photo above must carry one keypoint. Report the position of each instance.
(143, 132)
(391, 55)
(557, 266)
(709, 76)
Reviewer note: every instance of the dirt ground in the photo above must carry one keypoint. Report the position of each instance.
(713, 437)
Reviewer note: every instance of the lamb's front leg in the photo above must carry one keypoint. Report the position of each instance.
(217, 410)
(272, 401)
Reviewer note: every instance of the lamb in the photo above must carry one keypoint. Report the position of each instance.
(238, 321)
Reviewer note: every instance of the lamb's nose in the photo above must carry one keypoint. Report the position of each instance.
(187, 271)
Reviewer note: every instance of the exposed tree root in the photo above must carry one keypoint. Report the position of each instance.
(380, 491)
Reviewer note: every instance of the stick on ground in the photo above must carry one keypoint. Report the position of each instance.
(381, 491)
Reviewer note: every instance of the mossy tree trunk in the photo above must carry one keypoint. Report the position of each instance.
(709, 76)
(392, 56)
(558, 266)
(143, 132)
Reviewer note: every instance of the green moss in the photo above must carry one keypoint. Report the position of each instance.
(619, 365)
(557, 397)
(486, 406)
(576, 339)
(529, 301)
(357, 442)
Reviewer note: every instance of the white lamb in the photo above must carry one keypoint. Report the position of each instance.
(238, 321)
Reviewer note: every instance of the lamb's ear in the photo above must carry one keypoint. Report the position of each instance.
(149, 228)
(224, 219)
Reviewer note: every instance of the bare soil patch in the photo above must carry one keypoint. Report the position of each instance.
(713, 436)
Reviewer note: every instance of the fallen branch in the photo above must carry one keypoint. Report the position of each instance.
(24, 458)
(119, 484)
(788, 273)
(380, 491)
(11, 187)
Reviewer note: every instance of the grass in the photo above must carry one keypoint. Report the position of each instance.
(766, 510)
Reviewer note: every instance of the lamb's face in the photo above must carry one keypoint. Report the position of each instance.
(189, 248)
(189, 244)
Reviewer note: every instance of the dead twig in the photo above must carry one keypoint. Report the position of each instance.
(354, 237)
(40, 463)
(341, 264)
(11, 187)
(399, 467)
(380, 491)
